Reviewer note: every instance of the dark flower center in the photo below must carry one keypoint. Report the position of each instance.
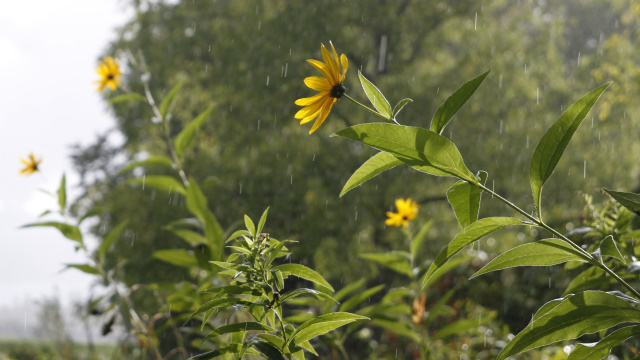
(405, 217)
(110, 77)
(337, 91)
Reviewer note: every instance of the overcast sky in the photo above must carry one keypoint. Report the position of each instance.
(48, 55)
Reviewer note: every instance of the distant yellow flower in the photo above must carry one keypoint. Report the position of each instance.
(30, 165)
(330, 87)
(109, 72)
(407, 211)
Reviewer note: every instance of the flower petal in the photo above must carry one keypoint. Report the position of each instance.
(310, 100)
(309, 110)
(318, 83)
(324, 112)
(329, 61)
(324, 69)
(345, 66)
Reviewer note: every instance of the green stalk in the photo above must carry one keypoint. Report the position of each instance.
(540, 223)
(368, 108)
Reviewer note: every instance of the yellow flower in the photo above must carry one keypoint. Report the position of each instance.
(330, 87)
(30, 165)
(109, 72)
(407, 211)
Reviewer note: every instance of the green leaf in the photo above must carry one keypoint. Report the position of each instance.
(152, 160)
(470, 234)
(231, 349)
(454, 102)
(177, 257)
(164, 183)
(591, 278)
(217, 303)
(110, 239)
(398, 261)
(375, 96)
(465, 200)
(629, 200)
(376, 164)
(303, 272)
(62, 194)
(189, 236)
(603, 347)
(86, 268)
(127, 97)
(184, 138)
(251, 227)
(399, 106)
(342, 293)
(356, 300)
(268, 350)
(263, 220)
(608, 247)
(69, 231)
(241, 326)
(197, 205)
(421, 149)
(555, 141)
(574, 316)
(238, 234)
(417, 240)
(308, 292)
(448, 266)
(323, 324)
(541, 253)
(168, 100)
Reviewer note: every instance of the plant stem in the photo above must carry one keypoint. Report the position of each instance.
(540, 223)
(368, 108)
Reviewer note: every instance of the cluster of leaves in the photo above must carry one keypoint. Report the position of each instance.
(428, 151)
(258, 287)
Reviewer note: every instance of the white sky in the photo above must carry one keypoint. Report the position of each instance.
(48, 54)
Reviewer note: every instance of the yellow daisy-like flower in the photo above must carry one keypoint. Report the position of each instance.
(30, 165)
(407, 211)
(330, 86)
(109, 72)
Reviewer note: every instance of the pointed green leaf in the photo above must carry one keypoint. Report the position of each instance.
(323, 324)
(465, 200)
(421, 149)
(608, 247)
(86, 268)
(417, 240)
(164, 183)
(574, 316)
(189, 236)
(303, 272)
(555, 141)
(459, 327)
(398, 261)
(308, 292)
(238, 234)
(357, 299)
(178, 257)
(168, 100)
(263, 219)
(470, 234)
(197, 205)
(250, 226)
(127, 97)
(69, 231)
(217, 303)
(377, 164)
(448, 266)
(110, 239)
(375, 96)
(62, 194)
(629, 200)
(152, 160)
(454, 102)
(541, 253)
(241, 326)
(399, 106)
(268, 350)
(398, 327)
(184, 138)
(602, 349)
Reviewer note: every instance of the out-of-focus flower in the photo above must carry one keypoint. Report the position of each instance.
(407, 211)
(30, 165)
(418, 309)
(330, 88)
(109, 72)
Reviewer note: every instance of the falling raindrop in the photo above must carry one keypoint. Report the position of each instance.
(578, 58)
(143, 179)
(291, 179)
(584, 174)
(267, 80)
(537, 96)
(258, 124)
(475, 25)
(240, 188)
